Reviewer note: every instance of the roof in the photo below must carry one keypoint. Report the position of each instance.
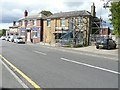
(69, 14)
(13, 26)
(35, 16)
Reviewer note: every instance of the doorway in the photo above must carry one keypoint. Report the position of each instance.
(28, 35)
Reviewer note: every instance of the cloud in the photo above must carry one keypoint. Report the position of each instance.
(14, 9)
(5, 25)
(73, 4)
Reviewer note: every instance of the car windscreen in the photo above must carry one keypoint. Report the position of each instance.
(19, 38)
(101, 40)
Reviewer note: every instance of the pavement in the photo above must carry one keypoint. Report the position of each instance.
(89, 49)
(92, 49)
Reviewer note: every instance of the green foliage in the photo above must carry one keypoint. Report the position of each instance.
(115, 13)
(3, 32)
(46, 13)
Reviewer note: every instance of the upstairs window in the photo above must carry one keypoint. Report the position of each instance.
(62, 21)
(48, 22)
(23, 22)
(79, 21)
(34, 22)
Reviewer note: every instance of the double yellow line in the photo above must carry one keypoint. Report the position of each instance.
(22, 74)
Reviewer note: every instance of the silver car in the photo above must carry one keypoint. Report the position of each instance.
(7, 38)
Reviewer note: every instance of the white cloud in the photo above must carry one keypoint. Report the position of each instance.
(5, 25)
(14, 9)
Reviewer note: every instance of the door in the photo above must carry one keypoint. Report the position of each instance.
(28, 37)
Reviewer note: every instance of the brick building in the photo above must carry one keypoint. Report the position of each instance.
(105, 31)
(31, 27)
(13, 30)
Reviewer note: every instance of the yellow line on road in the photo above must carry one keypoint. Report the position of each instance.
(22, 74)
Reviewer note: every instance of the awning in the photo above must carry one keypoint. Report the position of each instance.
(35, 28)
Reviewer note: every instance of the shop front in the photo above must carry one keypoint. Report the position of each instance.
(35, 35)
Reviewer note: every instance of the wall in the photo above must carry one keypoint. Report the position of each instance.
(49, 36)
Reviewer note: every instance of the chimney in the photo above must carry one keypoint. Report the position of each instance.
(93, 13)
(25, 13)
(14, 23)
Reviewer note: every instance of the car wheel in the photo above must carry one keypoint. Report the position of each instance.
(115, 46)
(97, 47)
(108, 47)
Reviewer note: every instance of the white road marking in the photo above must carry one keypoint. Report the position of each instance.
(15, 76)
(88, 65)
(87, 54)
(40, 52)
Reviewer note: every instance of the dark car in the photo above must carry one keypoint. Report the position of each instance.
(105, 43)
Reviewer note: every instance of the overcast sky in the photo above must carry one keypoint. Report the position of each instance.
(12, 10)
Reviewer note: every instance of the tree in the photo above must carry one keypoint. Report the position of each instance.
(115, 13)
(3, 32)
(46, 13)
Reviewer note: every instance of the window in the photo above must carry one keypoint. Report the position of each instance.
(34, 22)
(29, 23)
(48, 22)
(22, 33)
(59, 35)
(20, 23)
(23, 22)
(63, 22)
(34, 33)
(79, 21)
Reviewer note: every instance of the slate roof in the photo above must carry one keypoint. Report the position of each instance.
(36, 16)
(70, 14)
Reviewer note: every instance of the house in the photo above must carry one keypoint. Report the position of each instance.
(13, 30)
(39, 28)
(59, 24)
(31, 27)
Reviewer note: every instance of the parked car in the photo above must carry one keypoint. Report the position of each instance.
(11, 39)
(105, 43)
(19, 40)
(2, 38)
(7, 38)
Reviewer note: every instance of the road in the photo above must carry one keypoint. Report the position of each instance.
(49, 67)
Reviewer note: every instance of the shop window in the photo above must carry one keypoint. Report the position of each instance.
(22, 33)
(34, 34)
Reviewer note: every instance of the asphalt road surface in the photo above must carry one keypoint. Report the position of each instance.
(52, 68)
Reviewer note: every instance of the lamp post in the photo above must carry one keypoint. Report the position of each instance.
(62, 31)
(107, 6)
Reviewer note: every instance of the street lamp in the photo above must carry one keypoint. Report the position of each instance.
(106, 4)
